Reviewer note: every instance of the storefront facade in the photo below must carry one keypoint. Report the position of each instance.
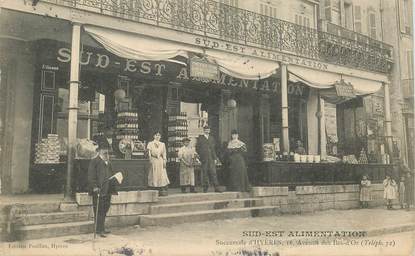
(277, 94)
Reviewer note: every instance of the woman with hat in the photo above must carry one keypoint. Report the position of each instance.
(187, 156)
(157, 175)
(238, 176)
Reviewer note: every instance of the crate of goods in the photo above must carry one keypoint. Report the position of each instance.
(47, 150)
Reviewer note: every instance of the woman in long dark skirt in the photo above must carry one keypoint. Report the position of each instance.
(238, 175)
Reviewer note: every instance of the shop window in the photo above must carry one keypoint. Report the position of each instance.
(196, 118)
(47, 103)
(90, 105)
(48, 80)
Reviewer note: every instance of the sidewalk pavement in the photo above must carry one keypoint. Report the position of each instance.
(385, 232)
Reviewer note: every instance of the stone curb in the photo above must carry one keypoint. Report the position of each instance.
(391, 229)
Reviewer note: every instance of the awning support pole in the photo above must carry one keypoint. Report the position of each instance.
(322, 127)
(73, 107)
(284, 107)
(388, 121)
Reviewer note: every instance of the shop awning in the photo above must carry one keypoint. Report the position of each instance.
(329, 83)
(242, 67)
(132, 46)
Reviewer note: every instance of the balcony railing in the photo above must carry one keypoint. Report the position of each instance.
(217, 20)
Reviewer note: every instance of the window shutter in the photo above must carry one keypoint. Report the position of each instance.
(327, 9)
(410, 62)
(372, 25)
(402, 15)
(358, 19)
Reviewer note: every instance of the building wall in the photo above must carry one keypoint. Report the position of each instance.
(395, 34)
(285, 10)
(21, 77)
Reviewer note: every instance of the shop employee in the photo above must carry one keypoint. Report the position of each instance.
(205, 148)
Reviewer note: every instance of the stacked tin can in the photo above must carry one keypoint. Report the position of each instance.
(177, 131)
(47, 150)
(127, 126)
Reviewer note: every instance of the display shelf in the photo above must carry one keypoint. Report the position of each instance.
(128, 128)
(177, 131)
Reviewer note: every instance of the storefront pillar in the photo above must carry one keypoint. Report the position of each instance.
(388, 122)
(284, 107)
(73, 106)
(322, 128)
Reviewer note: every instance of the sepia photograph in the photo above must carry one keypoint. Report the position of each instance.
(207, 128)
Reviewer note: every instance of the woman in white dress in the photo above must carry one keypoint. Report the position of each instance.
(157, 175)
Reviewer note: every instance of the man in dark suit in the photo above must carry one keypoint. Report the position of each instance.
(99, 172)
(205, 147)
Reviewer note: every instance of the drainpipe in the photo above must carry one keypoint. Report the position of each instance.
(284, 108)
(388, 122)
(322, 128)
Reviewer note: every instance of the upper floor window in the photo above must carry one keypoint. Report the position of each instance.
(302, 20)
(268, 10)
(372, 24)
(405, 14)
(234, 3)
(348, 16)
(358, 19)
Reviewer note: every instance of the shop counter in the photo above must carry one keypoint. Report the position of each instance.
(281, 173)
(135, 172)
(47, 178)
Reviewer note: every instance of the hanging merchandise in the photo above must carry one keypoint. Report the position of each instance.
(119, 94)
(231, 103)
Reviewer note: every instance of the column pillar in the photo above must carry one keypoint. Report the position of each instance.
(284, 108)
(73, 106)
(388, 121)
(322, 128)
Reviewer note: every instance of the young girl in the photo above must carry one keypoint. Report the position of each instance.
(187, 156)
(389, 192)
(365, 192)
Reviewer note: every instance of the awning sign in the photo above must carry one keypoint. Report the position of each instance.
(344, 89)
(202, 69)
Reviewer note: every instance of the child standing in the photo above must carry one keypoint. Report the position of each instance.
(187, 156)
(389, 192)
(365, 192)
(402, 192)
